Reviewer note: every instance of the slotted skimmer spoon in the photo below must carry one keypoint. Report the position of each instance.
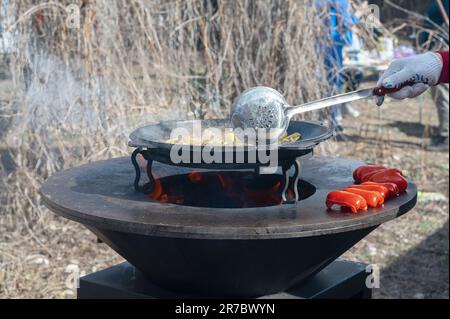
(265, 108)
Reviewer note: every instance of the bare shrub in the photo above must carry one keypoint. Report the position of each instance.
(79, 92)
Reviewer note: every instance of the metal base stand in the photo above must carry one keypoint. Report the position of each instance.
(341, 279)
(287, 182)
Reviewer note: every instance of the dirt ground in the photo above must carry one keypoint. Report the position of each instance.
(411, 252)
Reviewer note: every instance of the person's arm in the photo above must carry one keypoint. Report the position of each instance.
(424, 70)
(444, 73)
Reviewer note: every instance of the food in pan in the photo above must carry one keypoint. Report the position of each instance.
(217, 138)
(285, 138)
(208, 137)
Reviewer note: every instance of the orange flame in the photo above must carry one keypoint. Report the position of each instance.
(195, 177)
(229, 184)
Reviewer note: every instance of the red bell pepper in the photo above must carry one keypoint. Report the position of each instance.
(390, 175)
(392, 187)
(363, 170)
(353, 201)
(367, 177)
(374, 188)
(373, 198)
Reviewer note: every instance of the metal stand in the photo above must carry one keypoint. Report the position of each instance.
(290, 182)
(341, 279)
(147, 187)
(287, 182)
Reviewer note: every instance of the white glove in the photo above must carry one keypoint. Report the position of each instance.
(423, 69)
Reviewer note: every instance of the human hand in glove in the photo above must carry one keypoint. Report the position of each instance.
(424, 70)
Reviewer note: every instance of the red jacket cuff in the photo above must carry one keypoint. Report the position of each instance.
(444, 73)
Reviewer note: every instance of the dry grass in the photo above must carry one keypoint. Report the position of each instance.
(79, 92)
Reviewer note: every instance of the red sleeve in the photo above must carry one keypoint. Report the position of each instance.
(444, 74)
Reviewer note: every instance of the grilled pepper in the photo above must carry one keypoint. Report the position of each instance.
(363, 170)
(393, 188)
(384, 191)
(353, 201)
(373, 198)
(390, 175)
(367, 177)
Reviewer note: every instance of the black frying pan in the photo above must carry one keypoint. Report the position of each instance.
(153, 138)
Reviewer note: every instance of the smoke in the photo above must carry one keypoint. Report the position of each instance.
(80, 91)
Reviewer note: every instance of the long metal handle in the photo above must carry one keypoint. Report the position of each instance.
(342, 98)
(329, 101)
